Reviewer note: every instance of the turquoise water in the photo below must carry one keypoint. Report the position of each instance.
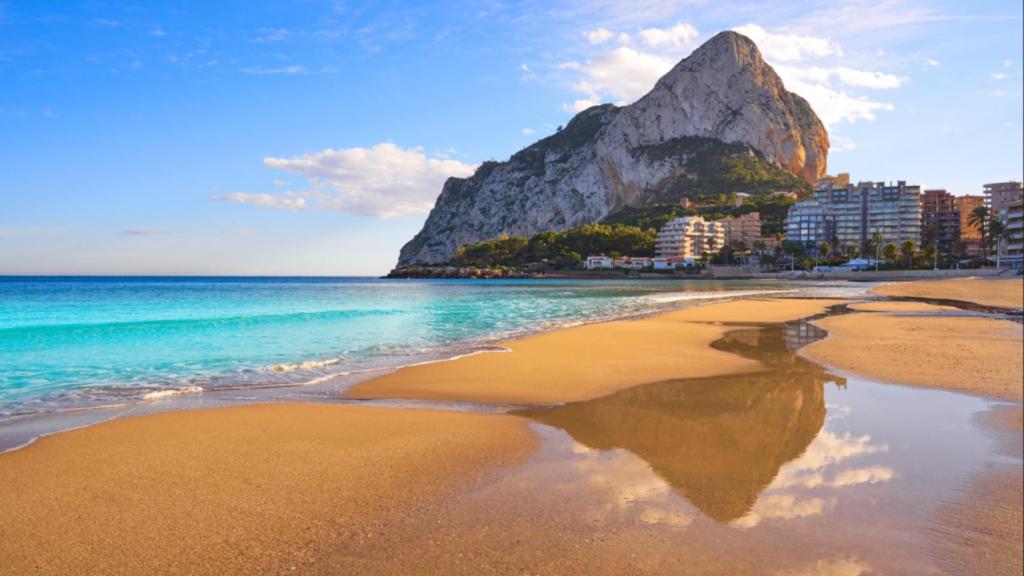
(76, 342)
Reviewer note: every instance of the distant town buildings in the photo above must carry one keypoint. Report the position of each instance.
(860, 210)
(742, 231)
(1012, 216)
(689, 237)
(940, 220)
(1000, 194)
(970, 236)
(810, 221)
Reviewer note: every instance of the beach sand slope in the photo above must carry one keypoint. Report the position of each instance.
(590, 361)
(975, 355)
(1001, 292)
(246, 490)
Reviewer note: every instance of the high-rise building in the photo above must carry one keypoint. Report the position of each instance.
(1012, 250)
(742, 230)
(1000, 194)
(940, 220)
(970, 236)
(809, 221)
(860, 210)
(689, 237)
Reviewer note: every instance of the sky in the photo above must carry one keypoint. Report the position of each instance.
(309, 137)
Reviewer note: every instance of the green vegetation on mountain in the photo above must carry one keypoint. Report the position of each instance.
(558, 250)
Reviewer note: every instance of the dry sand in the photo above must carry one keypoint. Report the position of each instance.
(1003, 292)
(248, 490)
(976, 355)
(594, 360)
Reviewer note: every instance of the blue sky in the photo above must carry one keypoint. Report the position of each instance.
(311, 137)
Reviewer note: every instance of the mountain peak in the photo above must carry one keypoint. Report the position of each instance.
(722, 101)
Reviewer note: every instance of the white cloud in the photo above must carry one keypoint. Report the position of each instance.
(838, 567)
(839, 143)
(527, 131)
(288, 70)
(932, 62)
(599, 36)
(782, 507)
(833, 105)
(867, 78)
(789, 47)
(383, 181)
(579, 105)
(569, 66)
(287, 201)
(869, 475)
(157, 32)
(624, 74)
(677, 37)
(998, 75)
(1007, 63)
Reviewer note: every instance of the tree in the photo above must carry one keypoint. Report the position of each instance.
(908, 249)
(998, 232)
(930, 254)
(826, 249)
(877, 239)
(979, 219)
(890, 251)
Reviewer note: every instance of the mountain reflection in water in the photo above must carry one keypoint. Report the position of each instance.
(718, 442)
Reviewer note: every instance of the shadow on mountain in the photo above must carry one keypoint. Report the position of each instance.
(718, 442)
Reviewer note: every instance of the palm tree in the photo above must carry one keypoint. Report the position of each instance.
(890, 251)
(877, 239)
(930, 253)
(979, 219)
(908, 252)
(826, 249)
(997, 232)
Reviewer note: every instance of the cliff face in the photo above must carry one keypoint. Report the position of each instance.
(722, 97)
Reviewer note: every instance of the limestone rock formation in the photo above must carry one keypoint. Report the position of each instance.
(721, 107)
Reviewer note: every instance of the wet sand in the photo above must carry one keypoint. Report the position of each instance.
(594, 360)
(976, 355)
(247, 490)
(1002, 292)
(981, 529)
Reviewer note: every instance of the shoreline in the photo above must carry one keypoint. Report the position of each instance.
(337, 483)
(194, 397)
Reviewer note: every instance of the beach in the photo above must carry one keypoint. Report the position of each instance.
(1003, 293)
(625, 438)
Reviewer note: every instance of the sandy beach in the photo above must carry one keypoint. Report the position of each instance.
(594, 360)
(329, 488)
(975, 355)
(1001, 292)
(248, 490)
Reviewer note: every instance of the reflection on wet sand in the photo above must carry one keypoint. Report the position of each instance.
(719, 442)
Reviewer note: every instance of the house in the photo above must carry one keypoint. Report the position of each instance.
(599, 262)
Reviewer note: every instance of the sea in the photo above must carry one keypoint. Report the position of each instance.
(82, 343)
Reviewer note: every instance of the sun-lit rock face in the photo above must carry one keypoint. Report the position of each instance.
(721, 100)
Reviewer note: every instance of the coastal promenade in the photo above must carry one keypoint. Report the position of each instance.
(600, 448)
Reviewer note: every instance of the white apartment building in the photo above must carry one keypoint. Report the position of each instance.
(689, 237)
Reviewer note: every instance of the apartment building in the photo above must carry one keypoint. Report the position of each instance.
(940, 220)
(689, 237)
(860, 210)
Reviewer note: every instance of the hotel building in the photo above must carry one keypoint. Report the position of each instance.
(940, 220)
(1000, 194)
(970, 236)
(689, 237)
(809, 221)
(1012, 253)
(862, 209)
(742, 230)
